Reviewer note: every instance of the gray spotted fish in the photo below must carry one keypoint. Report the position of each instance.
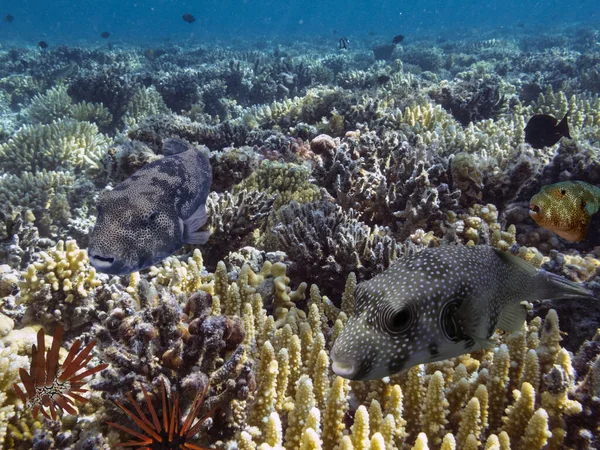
(439, 304)
(153, 213)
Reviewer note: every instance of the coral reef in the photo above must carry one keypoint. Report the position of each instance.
(329, 164)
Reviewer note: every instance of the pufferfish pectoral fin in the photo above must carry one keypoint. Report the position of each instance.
(483, 343)
(472, 325)
(191, 235)
(513, 317)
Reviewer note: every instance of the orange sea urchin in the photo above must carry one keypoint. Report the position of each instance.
(49, 385)
(168, 434)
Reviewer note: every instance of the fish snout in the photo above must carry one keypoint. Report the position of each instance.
(102, 262)
(345, 368)
(534, 209)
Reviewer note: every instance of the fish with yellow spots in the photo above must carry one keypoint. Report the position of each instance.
(566, 208)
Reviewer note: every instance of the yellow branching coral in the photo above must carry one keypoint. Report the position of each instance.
(498, 383)
(520, 412)
(536, 433)
(470, 424)
(305, 401)
(413, 401)
(531, 369)
(375, 416)
(273, 432)
(64, 268)
(459, 403)
(283, 378)
(360, 429)
(321, 378)
(310, 440)
(348, 295)
(435, 409)
(287, 181)
(549, 341)
(183, 276)
(394, 406)
(337, 405)
(448, 443)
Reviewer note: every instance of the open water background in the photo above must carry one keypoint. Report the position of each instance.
(145, 21)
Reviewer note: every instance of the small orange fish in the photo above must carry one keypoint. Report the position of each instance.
(566, 208)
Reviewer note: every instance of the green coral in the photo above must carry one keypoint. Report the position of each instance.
(62, 145)
(53, 105)
(145, 102)
(45, 194)
(286, 180)
(91, 112)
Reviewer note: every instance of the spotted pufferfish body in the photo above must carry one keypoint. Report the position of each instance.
(566, 208)
(152, 213)
(439, 304)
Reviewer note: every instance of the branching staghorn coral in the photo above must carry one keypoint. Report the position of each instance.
(45, 195)
(232, 218)
(386, 178)
(54, 104)
(91, 112)
(321, 235)
(287, 181)
(145, 102)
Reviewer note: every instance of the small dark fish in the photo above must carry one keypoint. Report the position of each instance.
(543, 130)
(65, 72)
(343, 45)
(188, 18)
(105, 34)
(42, 44)
(9, 18)
(382, 79)
(372, 33)
(397, 39)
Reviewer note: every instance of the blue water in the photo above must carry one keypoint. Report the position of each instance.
(71, 21)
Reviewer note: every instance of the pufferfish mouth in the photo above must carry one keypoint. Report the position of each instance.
(344, 369)
(534, 209)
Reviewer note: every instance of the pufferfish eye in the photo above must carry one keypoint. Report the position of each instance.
(399, 321)
(152, 218)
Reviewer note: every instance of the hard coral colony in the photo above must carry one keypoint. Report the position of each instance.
(328, 244)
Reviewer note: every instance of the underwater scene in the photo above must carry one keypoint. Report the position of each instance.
(303, 225)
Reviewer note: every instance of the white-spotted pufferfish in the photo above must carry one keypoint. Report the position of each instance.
(439, 304)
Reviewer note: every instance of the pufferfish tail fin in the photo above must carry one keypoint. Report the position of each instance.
(546, 285)
(549, 286)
